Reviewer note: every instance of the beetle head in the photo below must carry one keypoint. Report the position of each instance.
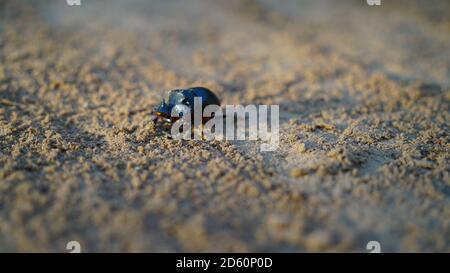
(163, 109)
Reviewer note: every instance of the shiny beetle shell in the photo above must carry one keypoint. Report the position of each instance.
(179, 98)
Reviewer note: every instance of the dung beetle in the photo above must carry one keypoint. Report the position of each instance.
(182, 98)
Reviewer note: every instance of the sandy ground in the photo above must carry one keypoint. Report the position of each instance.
(364, 109)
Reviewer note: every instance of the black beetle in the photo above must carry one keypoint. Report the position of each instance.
(184, 97)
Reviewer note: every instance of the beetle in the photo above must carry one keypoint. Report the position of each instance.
(178, 98)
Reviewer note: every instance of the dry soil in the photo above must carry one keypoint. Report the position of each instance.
(364, 137)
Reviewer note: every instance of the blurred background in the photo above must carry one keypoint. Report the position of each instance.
(364, 109)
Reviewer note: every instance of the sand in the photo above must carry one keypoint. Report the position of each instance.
(364, 126)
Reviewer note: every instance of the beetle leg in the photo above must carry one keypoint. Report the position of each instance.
(153, 118)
